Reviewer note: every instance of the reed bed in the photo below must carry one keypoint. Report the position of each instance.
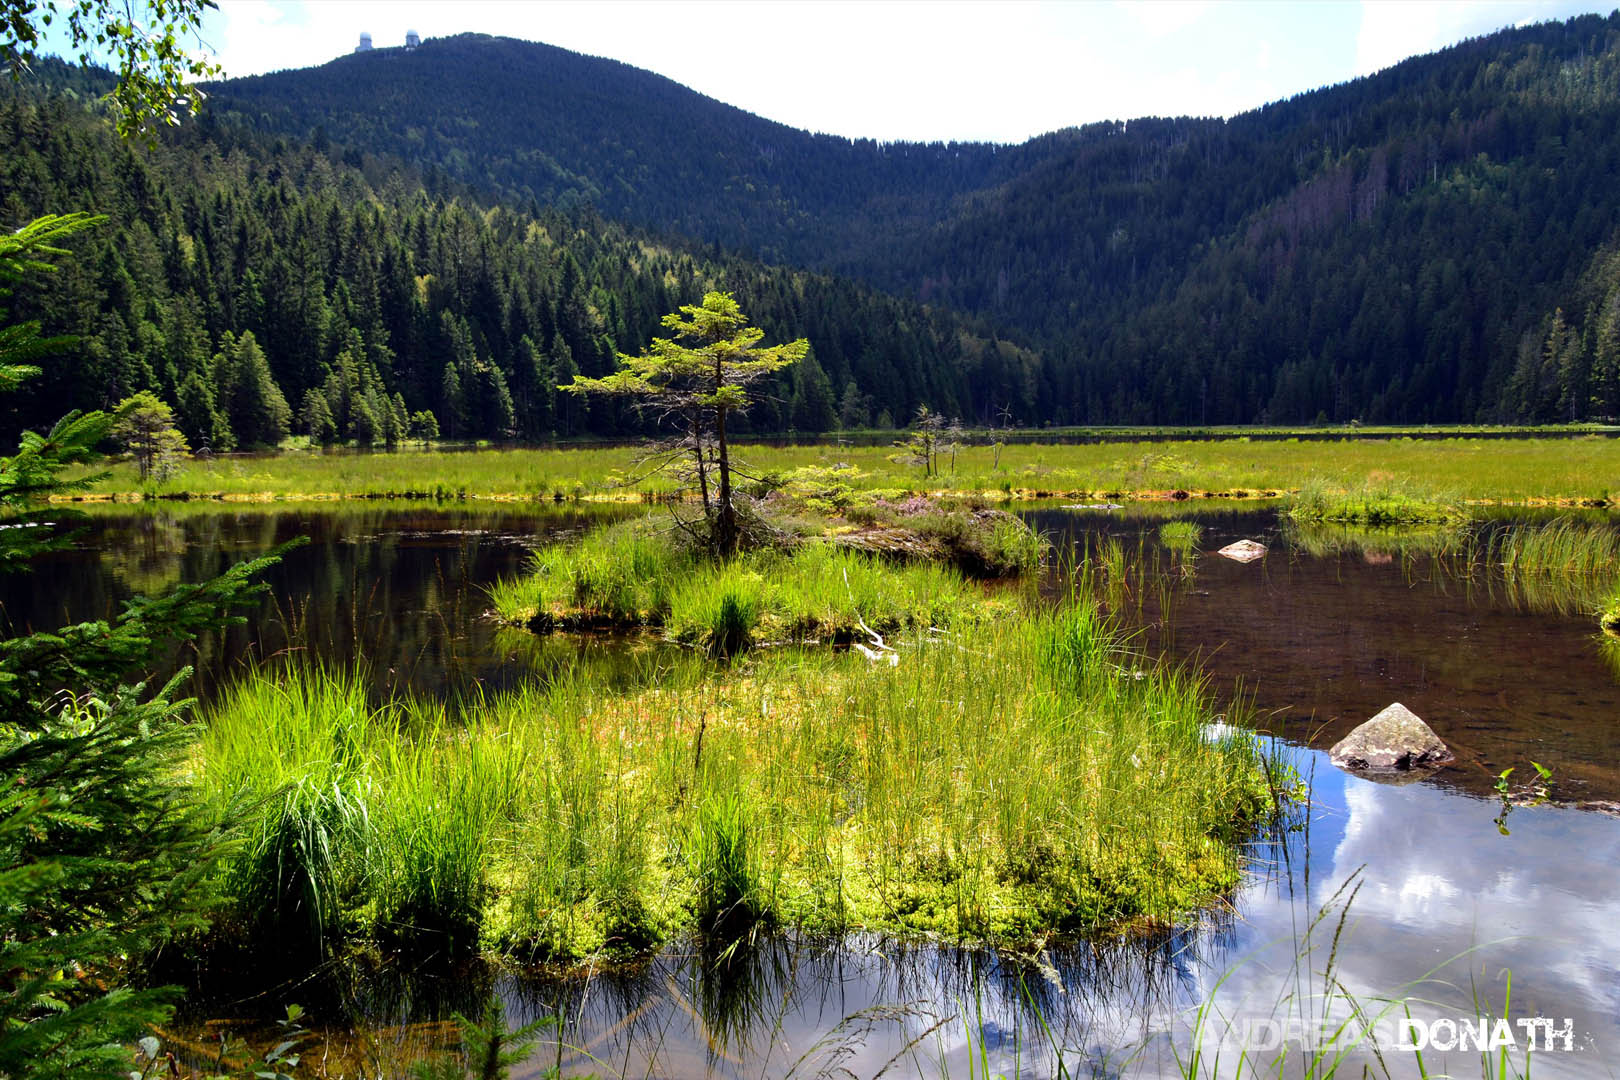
(1565, 566)
(999, 787)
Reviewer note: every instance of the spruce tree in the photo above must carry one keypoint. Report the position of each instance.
(700, 376)
(103, 856)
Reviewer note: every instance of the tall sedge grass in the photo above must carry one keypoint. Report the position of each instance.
(371, 821)
(997, 784)
(620, 574)
(295, 750)
(631, 575)
(1564, 566)
(1180, 535)
(449, 793)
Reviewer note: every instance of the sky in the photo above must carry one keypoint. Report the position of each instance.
(920, 69)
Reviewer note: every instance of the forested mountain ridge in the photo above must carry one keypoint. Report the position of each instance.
(522, 120)
(1390, 249)
(263, 288)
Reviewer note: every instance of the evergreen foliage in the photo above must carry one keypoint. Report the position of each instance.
(358, 283)
(145, 425)
(103, 857)
(699, 377)
(1384, 250)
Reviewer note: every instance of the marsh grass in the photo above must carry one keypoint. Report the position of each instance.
(632, 575)
(1381, 500)
(825, 792)
(1565, 566)
(997, 785)
(1180, 536)
(1471, 468)
(371, 821)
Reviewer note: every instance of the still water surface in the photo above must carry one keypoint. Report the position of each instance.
(1444, 902)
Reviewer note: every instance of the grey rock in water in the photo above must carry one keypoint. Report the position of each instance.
(1244, 551)
(1394, 739)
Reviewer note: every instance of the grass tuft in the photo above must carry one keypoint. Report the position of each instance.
(1180, 535)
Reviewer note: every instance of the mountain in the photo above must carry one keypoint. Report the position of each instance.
(525, 121)
(258, 286)
(1389, 249)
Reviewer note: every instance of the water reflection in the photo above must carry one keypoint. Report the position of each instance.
(1503, 669)
(1320, 635)
(398, 590)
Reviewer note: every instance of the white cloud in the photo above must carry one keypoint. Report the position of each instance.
(1161, 17)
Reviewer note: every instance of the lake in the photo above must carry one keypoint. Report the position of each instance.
(1449, 891)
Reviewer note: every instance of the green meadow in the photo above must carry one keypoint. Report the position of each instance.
(1578, 469)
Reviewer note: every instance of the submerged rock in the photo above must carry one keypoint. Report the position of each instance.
(1244, 551)
(1394, 739)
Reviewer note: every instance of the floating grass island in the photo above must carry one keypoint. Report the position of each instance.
(1000, 788)
(983, 768)
(874, 568)
(1376, 502)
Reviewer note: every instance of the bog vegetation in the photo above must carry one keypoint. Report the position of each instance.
(812, 789)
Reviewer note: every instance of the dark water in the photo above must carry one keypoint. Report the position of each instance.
(398, 590)
(1322, 643)
(1444, 902)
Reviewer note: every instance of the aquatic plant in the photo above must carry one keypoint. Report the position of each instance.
(622, 574)
(1562, 546)
(294, 748)
(1565, 566)
(369, 821)
(1180, 535)
(720, 610)
(445, 794)
(724, 863)
(998, 779)
(878, 796)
